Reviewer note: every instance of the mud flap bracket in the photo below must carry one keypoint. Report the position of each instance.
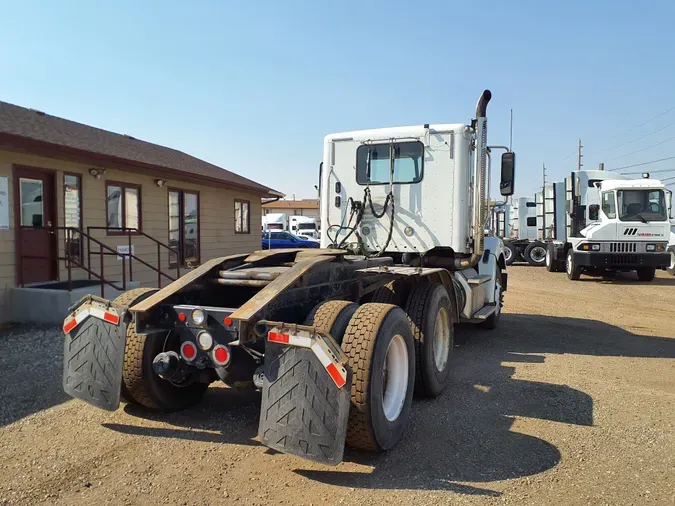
(305, 402)
(93, 354)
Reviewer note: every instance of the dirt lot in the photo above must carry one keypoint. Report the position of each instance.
(571, 401)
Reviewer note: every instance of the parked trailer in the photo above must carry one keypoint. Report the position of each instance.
(337, 338)
(611, 223)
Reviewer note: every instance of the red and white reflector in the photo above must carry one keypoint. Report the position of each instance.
(188, 350)
(220, 355)
(314, 342)
(107, 315)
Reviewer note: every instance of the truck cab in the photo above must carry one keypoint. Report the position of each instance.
(614, 224)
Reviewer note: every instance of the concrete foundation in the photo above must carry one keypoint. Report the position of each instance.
(49, 302)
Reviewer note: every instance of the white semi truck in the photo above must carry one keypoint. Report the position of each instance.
(516, 224)
(303, 226)
(337, 338)
(610, 223)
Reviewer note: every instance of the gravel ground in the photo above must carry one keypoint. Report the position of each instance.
(571, 401)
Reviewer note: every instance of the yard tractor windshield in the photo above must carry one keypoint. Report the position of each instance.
(642, 205)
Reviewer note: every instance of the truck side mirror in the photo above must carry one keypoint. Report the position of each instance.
(506, 184)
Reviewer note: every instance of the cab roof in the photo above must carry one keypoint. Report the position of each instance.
(395, 132)
(613, 184)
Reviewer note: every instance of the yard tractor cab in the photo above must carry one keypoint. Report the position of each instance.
(337, 338)
(614, 223)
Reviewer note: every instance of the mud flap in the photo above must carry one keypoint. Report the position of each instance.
(304, 408)
(93, 354)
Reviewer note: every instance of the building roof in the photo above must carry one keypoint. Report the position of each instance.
(293, 204)
(43, 130)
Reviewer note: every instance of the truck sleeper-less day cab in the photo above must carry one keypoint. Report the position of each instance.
(337, 338)
(613, 224)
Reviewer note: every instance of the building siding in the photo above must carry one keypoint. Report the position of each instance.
(216, 221)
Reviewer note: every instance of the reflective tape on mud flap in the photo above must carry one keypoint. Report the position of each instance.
(304, 339)
(107, 315)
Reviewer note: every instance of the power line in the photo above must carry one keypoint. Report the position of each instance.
(639, 138)
(643, 124)
(643, 149)
(643, 163)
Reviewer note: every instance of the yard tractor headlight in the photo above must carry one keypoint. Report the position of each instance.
(589, 246)
(656, 247)
(198, 316)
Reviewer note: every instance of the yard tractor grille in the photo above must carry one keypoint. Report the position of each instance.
(623, 247)
(625, 260)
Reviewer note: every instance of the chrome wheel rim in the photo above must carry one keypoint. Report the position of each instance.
(395, 378)
(568, 263)
(441, 339)
(507, 254)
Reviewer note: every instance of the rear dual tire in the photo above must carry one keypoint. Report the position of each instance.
(140, 384)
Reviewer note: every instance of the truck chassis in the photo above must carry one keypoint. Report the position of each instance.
(335, 342)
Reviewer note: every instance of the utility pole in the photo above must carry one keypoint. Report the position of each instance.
(543, 201)
(579, 164)
(602, 166)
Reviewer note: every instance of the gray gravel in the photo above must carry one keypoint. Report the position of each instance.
(571, 401)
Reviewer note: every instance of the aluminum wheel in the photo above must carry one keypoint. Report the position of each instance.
(395, 378)
(538, 254)
(568, 263)
(441, 339)
(508, 253)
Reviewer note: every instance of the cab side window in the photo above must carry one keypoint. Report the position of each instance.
(608, 206)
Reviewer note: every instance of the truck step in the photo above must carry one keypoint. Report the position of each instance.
(484, 312)
(480, 279)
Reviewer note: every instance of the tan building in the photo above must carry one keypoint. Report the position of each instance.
(76, 196)
(306, 207)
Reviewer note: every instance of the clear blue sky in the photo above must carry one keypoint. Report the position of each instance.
(255, 86)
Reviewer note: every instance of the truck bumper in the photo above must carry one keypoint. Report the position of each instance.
(622, 260)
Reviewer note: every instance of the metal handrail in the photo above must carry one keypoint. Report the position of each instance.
(128, 232)
(70, 260)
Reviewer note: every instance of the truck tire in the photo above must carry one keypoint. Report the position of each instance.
(671, 270)
(535, 253)
(391, 293)
(573, 271)
(552, 264)
(646, 273)
(124, 301)
(493, 320)
(510, 253)
(379, 335)
(332, 317)
(140, 385)
(430, 313)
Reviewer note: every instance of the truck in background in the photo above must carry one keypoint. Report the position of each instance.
(516, 224)
(303, 226)
(611, 223)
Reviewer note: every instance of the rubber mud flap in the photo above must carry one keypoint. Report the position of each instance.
(93, 358)
(303, 412)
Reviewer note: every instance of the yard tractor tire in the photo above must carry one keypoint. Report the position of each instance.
(671, 269)
(124, 301)
(493, 320)
(430, 313)
(552, 263)
(646, 273)
(380, 349)
(510, 253)
(140, 385)
(332, 317)
(573, 270)
(535, 254)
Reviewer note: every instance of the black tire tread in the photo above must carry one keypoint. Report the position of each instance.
(415, 310)
(359, 346)
(124, 301)
(323, 315)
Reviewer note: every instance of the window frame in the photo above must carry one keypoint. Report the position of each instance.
(248, 217)
(181, 231)
(124, 186)
(390, 146)
(81, 206)
(614, 203)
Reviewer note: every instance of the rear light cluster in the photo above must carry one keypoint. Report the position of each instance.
(219, 354)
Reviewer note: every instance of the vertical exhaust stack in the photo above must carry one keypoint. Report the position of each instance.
(479, 176)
